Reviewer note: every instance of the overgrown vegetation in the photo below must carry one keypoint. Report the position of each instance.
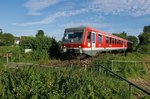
(13, 50)
(31, 82)
(144, 39)
(44, 48)
(34, 82)
(6, 39)
(130, 66)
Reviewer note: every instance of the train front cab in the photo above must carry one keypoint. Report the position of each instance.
(79, 40)
(73, 39)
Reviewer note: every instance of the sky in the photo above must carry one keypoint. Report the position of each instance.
(25, 17)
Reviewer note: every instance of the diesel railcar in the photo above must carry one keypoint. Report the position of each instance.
(90, 41)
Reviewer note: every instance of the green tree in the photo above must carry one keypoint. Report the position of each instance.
(122, 35)
(27, 43)
(144, 37)
(144, 41)
(42, 46)
(146, 29)
(1, 39)
(40, 33)
(6, 39)
(54, 49)
(42, 43)
(134, 40)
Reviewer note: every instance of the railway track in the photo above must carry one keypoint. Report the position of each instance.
(72, 62)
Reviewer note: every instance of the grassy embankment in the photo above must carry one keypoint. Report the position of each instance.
(74, 82)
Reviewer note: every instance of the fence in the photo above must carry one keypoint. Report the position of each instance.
(114, 64)
(127, 81)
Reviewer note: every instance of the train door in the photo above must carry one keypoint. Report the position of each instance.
(93, 40)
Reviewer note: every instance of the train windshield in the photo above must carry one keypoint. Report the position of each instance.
(73, 35)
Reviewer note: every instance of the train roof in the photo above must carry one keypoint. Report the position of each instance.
(75, 28)
(93, 29)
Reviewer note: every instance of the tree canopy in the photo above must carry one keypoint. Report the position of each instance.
(40, 33)
(6, 39)
(144, 37)
(41, 45)
(134, 40)
(122, 35)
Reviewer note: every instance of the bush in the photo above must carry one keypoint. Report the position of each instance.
(144, 49)
(43, 47)
(14, 50)
(31, 82)
(125, 65)
(34, 56)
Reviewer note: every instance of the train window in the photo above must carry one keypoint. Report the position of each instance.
(107, 40)
(121, 42)
(73, 35)
(89, 37)
(112, 40)
(93, 37)
(99, 38)
(125, 43)
(115, 41)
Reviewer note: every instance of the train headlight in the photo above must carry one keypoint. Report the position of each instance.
(79, 46)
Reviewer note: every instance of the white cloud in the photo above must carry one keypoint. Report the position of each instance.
(35, 6)
(53, 17)
(117, 7)
(130, 7)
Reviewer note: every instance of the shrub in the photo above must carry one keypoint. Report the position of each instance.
(42, 46)
(31, 82)
(14, 50)
(144, 49)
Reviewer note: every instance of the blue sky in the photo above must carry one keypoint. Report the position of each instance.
(25, 17)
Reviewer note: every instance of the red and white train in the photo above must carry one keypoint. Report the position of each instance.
(90, 41)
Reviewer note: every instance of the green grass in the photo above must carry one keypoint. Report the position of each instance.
(131, 66)
(51, 83)
(58, 83)
(39, 82)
